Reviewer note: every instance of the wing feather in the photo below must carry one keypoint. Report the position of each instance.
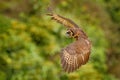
(86, 57)
(65, 21)
(73, 56)
(71, 62)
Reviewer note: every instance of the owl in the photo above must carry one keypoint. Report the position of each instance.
(77, 53)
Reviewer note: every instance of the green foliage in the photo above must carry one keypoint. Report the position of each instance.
(30, 44)
(4, 24)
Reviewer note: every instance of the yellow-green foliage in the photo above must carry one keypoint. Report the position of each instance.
(29, 51)
(30, 46)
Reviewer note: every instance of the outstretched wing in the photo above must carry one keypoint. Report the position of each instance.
(65, 21)
(75, 55)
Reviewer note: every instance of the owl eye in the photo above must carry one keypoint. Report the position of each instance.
(68, 32)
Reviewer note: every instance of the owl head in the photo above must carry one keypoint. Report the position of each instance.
(69, 33)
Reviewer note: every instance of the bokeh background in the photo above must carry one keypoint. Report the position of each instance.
(30, 42)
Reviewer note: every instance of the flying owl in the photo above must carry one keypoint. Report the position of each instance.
(76, 53)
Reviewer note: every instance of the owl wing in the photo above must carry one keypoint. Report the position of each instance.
(74, 55)
(65, 21)
(77, 53)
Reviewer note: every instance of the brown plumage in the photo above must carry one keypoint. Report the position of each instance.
(76, 53)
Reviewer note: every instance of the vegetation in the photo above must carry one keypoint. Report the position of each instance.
(30, 42)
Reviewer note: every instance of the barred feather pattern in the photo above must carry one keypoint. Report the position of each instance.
(76, 53)
(65, 21)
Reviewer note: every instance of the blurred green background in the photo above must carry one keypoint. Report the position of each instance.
(30, 42)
